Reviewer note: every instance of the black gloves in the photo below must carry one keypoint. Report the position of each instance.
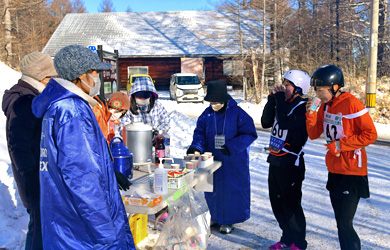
(123, 182)
(192, 150)
(225, 150)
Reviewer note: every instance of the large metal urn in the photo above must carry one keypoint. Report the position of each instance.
(138, 139)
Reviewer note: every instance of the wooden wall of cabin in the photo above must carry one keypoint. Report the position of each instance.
(214, 69)
(160, 69)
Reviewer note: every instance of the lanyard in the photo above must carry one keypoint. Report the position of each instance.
(215, 120)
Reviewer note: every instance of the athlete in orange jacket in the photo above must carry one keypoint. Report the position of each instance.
(348, 128)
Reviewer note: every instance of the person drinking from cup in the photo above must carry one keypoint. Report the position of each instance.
(284, 113)
(348, 129)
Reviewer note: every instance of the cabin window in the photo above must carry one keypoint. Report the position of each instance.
(232, 68)
(137, 70)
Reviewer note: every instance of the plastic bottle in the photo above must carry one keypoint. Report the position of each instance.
(160, 148)
(160, 179)
(167, 143)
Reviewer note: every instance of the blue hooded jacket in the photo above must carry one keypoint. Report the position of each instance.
(81, 207)
(229, 203)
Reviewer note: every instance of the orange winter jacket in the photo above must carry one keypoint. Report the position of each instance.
(359, 131)
(102, 114)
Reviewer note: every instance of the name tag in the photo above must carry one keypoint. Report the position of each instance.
(219, 141)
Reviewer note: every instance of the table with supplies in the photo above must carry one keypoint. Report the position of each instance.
(140, 199)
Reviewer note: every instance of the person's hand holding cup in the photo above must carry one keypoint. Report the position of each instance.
(312, 104)
(279, 88)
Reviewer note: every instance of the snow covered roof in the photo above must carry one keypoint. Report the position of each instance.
(176, 33)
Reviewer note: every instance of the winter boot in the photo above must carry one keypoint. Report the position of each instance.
(294, 247)
(226, 229)
(279, 245)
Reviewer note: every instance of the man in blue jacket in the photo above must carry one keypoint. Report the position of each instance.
(227, 131)
(81, 206)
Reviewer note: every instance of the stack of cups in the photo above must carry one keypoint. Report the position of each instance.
(191, 161)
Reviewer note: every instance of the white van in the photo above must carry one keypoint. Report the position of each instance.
(186, 87)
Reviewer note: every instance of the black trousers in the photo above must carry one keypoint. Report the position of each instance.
(344, 206)
(34, 234)
(285, 193)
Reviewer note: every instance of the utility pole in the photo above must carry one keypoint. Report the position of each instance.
(372, 67)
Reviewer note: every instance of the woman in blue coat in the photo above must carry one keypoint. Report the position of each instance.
(227, 131)
(81, 207)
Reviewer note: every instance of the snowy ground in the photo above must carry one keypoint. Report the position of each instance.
(372, 221)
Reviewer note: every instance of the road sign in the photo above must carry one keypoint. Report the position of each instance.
(93, 48)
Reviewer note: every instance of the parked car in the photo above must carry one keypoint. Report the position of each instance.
(132, 79)
(186, 87)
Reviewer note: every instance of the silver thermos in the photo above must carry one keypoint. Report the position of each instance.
(138, 137)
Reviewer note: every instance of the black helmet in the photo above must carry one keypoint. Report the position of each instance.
(327, 75)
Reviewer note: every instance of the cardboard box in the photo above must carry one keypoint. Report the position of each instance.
(150, 202)
(139, 227)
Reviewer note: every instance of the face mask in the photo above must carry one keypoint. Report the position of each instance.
(217, 107)
(142, 102)
(95, 89)
(115, 114)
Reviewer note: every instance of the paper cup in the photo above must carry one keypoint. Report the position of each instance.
(187, 157)
(195, 162)
(204, 157)
(208, 153)
(315, 103)
(190, 165)
(192, 156)
(175, 166)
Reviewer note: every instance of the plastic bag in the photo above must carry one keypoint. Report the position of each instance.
(188, 223)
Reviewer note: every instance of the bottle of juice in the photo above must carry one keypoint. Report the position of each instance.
(159, 148)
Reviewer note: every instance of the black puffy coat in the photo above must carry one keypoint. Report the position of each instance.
(23, 132)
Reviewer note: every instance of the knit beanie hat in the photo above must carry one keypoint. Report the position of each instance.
(74, 60)
(217, 92)
(119, 100)
(37, 65)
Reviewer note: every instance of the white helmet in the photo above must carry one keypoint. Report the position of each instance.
(299, 78)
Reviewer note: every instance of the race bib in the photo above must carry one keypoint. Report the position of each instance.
(333, 126)
(278, 137)
(219, 141)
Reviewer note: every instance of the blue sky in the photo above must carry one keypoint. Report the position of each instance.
(152, 5)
